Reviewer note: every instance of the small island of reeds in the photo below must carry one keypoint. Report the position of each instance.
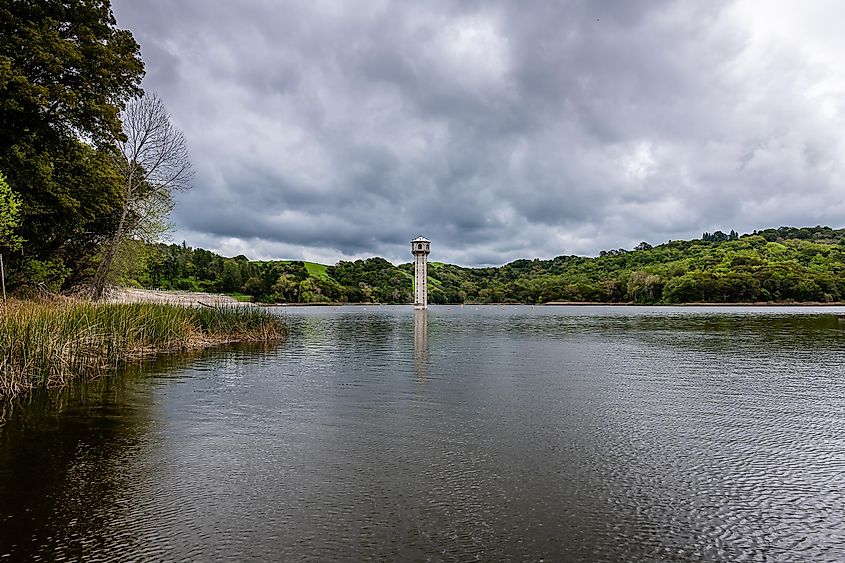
(52, 343)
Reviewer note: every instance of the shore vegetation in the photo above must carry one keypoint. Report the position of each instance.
(51, 343)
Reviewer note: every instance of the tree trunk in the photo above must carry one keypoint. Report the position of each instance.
(3, 278)
(103, 269)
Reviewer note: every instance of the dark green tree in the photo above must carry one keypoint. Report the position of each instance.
(231, 279)
(65, 72)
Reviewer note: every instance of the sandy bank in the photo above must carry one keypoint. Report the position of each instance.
(133, 295)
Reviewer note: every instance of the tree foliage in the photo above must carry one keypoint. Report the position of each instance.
(10, 220)
(719, 236)
(66, 70)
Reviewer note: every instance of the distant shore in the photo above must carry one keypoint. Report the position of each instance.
(566, 304)
(699, 304)
(136, 295)
(571, 304)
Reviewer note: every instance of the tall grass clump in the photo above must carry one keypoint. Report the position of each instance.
(51, 343)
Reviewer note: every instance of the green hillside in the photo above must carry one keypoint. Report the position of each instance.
(779, 265)
(317, 270)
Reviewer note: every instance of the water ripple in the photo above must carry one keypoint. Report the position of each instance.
(578, 434)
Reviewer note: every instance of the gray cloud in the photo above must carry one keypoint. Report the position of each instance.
(338, 130)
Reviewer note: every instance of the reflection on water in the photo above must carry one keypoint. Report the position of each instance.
(420, 342)
(72, 461)
(606, 434)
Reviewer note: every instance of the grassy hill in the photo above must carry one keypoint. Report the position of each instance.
(780, 265)
(317, 270)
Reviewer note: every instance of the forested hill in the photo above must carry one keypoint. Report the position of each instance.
(784, 265)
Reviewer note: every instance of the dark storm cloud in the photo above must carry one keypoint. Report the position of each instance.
(500, 130)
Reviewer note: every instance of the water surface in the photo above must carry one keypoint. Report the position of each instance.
(488, 433)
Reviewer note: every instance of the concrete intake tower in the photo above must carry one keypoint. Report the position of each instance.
(420, 247)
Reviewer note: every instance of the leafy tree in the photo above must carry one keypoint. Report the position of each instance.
(10, 220)
(253, 286)
(286, 289)
(231, 279)
(65, 71)
(683, 289)
(10, 208)
(66, 66)
(131, 266)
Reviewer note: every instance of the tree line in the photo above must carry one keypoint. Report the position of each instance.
(88, 160)
(774, 265)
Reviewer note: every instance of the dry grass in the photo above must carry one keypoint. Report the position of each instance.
(50, 343)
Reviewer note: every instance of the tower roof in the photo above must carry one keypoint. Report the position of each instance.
(420, 239)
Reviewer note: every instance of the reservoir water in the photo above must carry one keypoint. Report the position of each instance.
(456, 434)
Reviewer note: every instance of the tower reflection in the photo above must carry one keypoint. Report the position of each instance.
(420, 343)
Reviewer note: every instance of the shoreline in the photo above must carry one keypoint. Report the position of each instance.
(698, 304)
(188, 298)
(168, 297)
(562, 304)
(48, 344)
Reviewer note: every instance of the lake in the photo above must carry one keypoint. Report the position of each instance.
(460, 434)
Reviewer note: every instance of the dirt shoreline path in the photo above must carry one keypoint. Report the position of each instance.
(133, 295)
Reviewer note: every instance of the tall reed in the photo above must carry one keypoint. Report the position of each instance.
(51, 343)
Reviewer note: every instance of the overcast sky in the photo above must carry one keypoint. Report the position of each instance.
(334, 130)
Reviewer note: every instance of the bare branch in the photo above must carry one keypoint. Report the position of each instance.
(153, 160)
